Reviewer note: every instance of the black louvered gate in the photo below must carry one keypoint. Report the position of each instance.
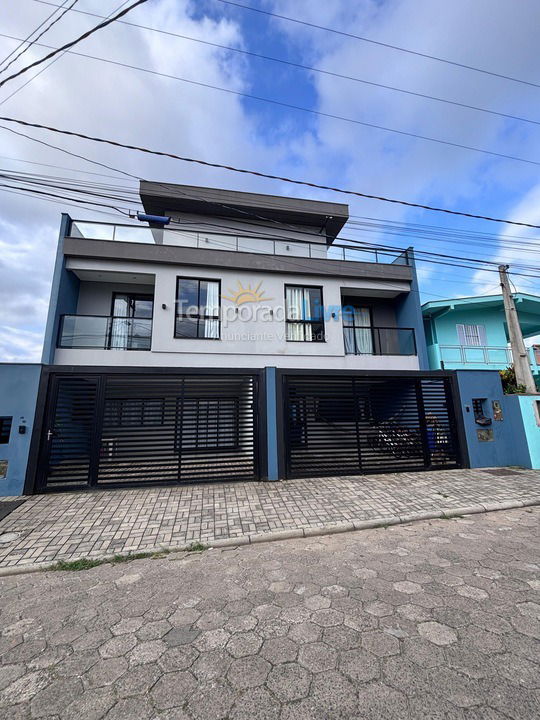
(343, 424)
(120, 429)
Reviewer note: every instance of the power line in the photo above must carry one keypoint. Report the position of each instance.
(72, 42)
(68, 152)
(45, 30)
(308, 68)
(49, 165)
(53, 61)
(27, 39)
(300, 108)
(378, 42)
(269, 176)
(90, 189)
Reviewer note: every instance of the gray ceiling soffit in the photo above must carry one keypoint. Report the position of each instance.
(163, 198)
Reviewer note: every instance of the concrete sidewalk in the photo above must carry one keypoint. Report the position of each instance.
(67, 526)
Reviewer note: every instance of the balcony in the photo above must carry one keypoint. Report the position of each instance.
(260, 244)
(496, 357)
(379, 340)
(105, 333)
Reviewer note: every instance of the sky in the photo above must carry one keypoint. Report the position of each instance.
(165, 114)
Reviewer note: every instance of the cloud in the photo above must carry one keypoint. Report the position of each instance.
(139, 108)
(527, 210)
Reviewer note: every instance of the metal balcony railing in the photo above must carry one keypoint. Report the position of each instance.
(379, 340)
(105, 332)
(236, 243)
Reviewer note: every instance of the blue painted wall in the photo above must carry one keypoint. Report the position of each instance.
(64, 294)
(516, 438)
(18, 394)
(271, 423)
(443, 331)
(409, 314)
(529, 406)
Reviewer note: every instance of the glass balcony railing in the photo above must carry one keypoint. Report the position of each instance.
(498, 356)
(105, 333)
(379, 340)
(235, 243)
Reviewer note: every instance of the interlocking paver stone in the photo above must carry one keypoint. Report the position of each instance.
(106, 523)
(437, 633)
(289, 682)
(81, 646)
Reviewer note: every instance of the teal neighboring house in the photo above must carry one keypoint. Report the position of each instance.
(470, 333)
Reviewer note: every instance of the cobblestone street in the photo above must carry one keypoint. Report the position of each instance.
(67, 526)
(435, 619)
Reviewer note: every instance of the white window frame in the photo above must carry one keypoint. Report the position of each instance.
(470, 335)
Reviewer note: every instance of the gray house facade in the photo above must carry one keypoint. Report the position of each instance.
(232, 336)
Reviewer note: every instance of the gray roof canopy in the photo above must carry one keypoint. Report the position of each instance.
(163, 198)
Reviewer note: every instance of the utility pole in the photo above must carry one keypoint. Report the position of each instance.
(519, 352)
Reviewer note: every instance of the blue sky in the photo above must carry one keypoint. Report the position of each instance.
(164, 114)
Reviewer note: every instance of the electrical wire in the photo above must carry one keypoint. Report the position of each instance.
(299, 66)
(377, 42)
(256, 173)
(49, 165)
(42, 33)
(53, 61)
(27, 38)
(319, 113)
(72, 42)
(68, 152)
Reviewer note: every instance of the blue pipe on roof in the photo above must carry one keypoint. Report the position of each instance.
(160, 219)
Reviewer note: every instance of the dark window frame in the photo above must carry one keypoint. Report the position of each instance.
(369, 327)
(198, 317)
(6, 424)
(133, 296)
(304, 323)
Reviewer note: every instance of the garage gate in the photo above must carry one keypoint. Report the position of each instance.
(350, 424)
(124, 429)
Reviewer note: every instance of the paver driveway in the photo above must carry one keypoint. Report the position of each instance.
(433, 620)
(66, 526)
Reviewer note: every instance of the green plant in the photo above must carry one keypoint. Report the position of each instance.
(87, 563)
(508, 379)
(197, 547)
(74, 565)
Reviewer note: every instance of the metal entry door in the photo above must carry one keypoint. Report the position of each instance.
(70, 443)
(351, 424)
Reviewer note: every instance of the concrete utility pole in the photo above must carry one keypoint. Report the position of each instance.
(522, 367)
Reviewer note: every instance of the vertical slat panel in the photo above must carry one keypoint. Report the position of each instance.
(69, 440)
(121, 429)
(350, 424)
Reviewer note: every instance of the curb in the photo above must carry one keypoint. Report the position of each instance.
(314, 531)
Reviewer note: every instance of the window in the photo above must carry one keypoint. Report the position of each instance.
(5, 429)
(133, 412)
(197, 308)
(472, 335)
(304, 318)
(357, 331)
(131, 322)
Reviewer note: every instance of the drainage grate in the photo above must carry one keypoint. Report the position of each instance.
(8, 506)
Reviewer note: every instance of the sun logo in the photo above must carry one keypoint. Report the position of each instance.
(246, 294)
